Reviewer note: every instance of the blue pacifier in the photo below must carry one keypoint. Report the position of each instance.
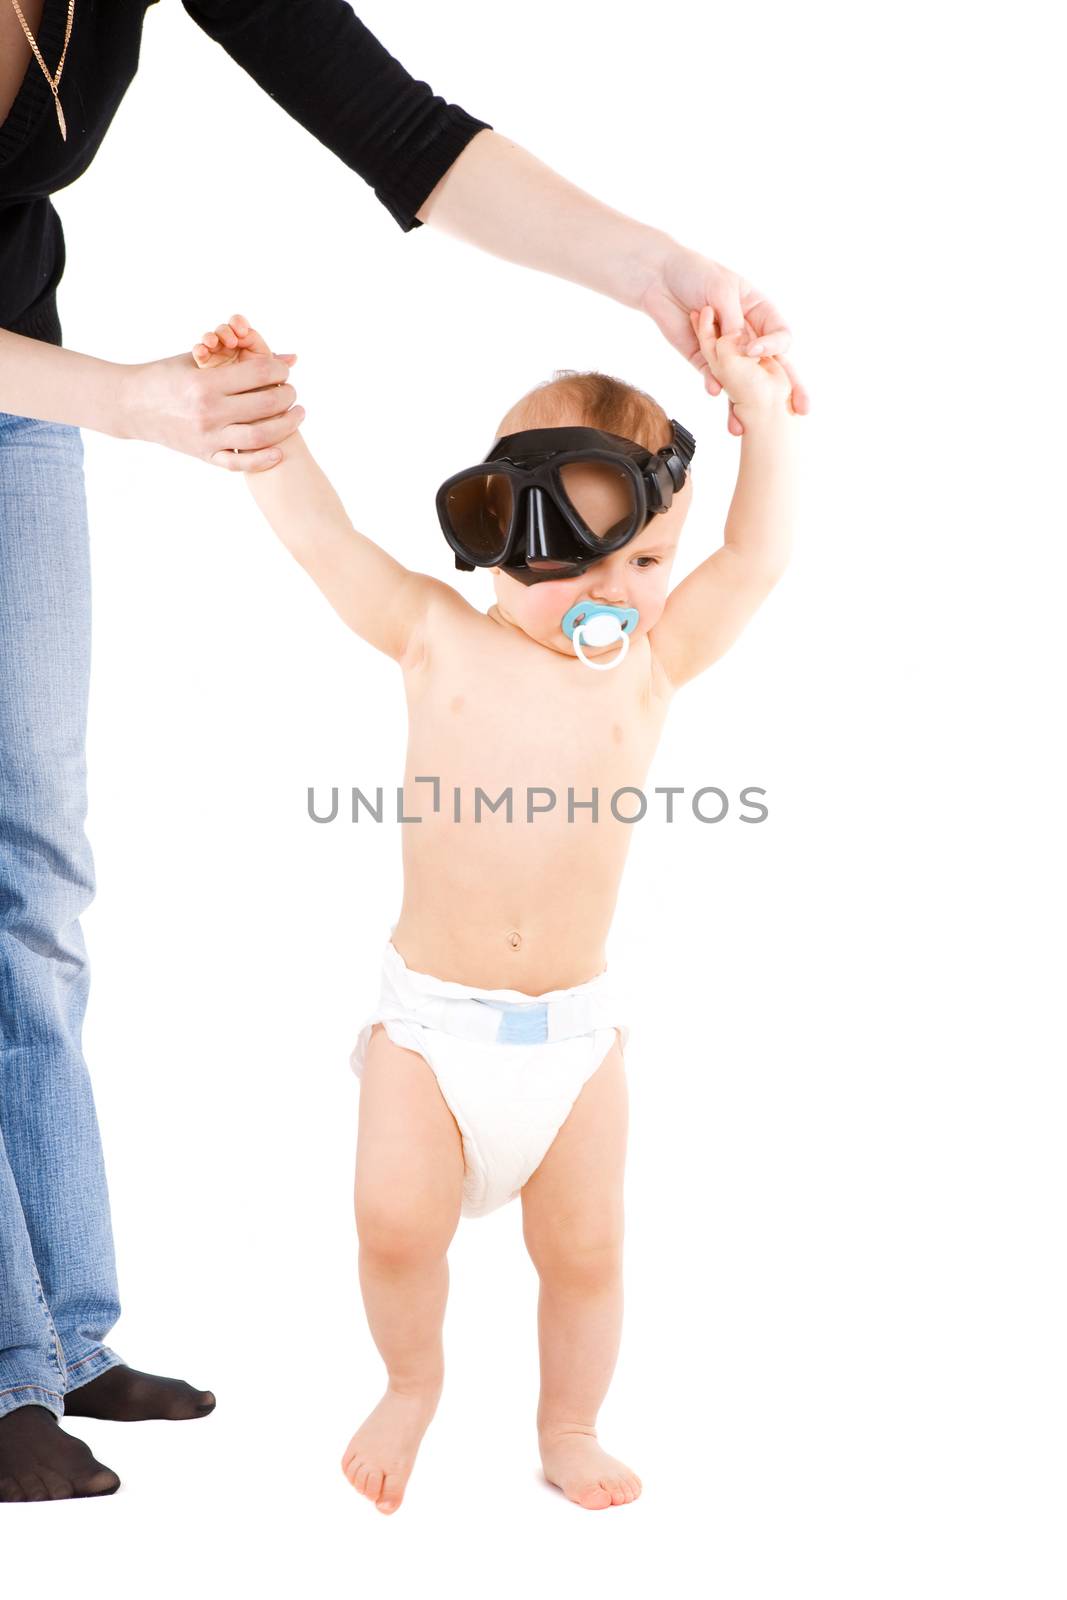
(599, 625)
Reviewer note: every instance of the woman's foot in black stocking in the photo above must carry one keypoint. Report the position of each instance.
(38, 1461)
(122, 1394)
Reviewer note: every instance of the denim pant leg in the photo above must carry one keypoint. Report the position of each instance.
(58, 1290)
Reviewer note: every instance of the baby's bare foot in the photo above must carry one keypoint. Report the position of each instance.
(575, 1463)
(382, 1452)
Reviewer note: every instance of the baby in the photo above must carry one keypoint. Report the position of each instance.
(493, 1063)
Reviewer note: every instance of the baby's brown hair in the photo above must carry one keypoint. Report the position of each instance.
(591, 400)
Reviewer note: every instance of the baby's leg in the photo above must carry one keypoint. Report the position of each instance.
(409, 1186)
(572, 1213)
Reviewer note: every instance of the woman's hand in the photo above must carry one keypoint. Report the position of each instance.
(227, 415)
(684, 284)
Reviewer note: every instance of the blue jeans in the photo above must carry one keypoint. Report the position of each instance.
(58, 1289)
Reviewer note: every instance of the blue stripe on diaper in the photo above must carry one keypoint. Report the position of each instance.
(519, 1023)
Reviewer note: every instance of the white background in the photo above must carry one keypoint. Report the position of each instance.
(842, 1367)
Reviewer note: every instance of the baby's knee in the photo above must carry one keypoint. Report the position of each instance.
(584, 1260)
(397, 1234)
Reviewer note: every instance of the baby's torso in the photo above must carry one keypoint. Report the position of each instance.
(524, 903)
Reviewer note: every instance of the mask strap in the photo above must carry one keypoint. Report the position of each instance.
(679, 453)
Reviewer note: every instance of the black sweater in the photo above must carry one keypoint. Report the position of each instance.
(314, 57)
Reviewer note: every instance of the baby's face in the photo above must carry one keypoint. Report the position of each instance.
(638, 575)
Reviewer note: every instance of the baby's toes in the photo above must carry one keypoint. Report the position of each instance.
(594, 1496)
(372, 1488)
(621, 1486)
(392, 1492)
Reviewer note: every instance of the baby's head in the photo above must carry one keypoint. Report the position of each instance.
(638, 573)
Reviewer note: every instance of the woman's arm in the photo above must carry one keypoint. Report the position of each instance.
(322, 65)
(58, 385)
(430, 161)
(498, 196)
(169, 402)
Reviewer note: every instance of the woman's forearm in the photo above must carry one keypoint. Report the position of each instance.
(498, 196)
(44, 380)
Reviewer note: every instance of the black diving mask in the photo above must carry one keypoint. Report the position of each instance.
(548, 502)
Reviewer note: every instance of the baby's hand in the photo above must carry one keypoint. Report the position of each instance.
(754, 385)
(231, 341)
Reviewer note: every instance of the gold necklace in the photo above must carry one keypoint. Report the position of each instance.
(53, 83)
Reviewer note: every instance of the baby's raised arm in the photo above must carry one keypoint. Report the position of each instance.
(380, 599)
(708, 609)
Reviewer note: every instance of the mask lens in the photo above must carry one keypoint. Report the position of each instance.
(480, 511)
(602, 496)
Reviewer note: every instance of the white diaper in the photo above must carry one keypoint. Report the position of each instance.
(510, 1065)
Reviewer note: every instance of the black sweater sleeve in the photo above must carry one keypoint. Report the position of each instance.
(319, 62)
